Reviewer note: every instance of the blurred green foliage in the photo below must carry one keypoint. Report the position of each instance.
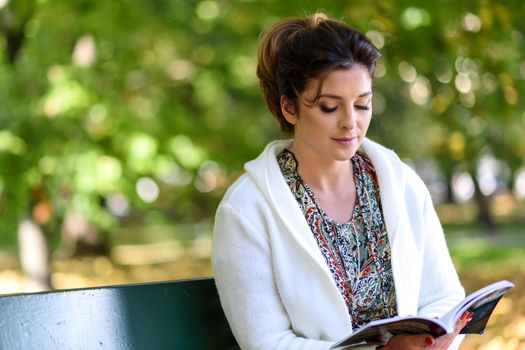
(152, 107)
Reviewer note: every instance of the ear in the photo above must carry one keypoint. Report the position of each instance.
(288, 110)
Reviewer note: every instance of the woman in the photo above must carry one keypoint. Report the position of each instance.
(328, 231)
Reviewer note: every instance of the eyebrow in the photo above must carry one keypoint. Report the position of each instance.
(340, 98)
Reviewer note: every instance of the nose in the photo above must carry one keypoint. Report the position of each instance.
(348, 119)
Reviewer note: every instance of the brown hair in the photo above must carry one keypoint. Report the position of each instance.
(294, 51)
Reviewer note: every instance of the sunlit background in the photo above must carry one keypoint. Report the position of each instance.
(123, 122)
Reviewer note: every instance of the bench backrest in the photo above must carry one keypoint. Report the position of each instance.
(182, 314)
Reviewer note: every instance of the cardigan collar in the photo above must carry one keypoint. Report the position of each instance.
(265, 172)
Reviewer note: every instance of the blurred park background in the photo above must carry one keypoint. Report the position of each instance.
(122, 122)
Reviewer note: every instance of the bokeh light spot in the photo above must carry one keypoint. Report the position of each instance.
(147, 189)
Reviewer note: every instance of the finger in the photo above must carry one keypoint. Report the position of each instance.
(467, 315)
(463, 321)
(429, 340)
(444, 341)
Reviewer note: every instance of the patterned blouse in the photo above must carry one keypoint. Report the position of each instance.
(357, 252)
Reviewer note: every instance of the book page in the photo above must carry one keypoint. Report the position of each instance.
(482, 302)
(482, 310)
(382, 331)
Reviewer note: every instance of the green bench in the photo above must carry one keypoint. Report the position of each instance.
(184, 314)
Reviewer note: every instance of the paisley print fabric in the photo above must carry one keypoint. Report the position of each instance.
(357, 252)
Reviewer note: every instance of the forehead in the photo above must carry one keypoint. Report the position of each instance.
(344, 82)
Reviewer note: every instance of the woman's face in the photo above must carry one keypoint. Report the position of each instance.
(335, 127)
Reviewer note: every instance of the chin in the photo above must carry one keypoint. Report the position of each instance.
(346, 153)
(344, 157)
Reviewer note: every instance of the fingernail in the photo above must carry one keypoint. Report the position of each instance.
(429, 340)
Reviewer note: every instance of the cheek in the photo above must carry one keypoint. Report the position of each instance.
(367, 119)
(364, 124)
(310, 122)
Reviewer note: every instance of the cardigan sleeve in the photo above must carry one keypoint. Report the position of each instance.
(243, 271)
(440, 289)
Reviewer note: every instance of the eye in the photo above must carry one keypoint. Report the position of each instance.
(327, 109)
(364, 107)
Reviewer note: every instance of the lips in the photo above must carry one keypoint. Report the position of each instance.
(345, 141)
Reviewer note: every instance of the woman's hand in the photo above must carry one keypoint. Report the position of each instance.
(408, 342)
(443, 342)
(426, 341)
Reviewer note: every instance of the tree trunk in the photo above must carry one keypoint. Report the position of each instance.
(80, 237)
(34, 256)
(484, 214)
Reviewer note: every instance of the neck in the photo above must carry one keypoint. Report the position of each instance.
(323, 174)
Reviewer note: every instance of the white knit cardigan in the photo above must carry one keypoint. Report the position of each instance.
(274, 284)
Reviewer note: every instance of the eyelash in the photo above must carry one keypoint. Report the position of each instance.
(327, 109)
(333, 109)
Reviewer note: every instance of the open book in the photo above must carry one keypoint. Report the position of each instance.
(482, 302)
